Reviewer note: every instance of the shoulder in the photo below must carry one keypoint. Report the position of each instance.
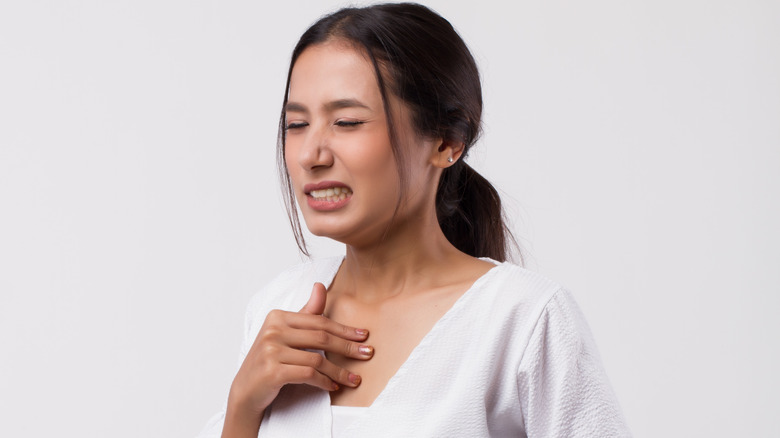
(518, 304)
(512, 286)
(544, 313)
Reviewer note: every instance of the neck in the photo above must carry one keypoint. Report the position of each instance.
(407, 259)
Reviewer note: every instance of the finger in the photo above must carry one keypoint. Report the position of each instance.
(322, 340)
(307, 375)
(316, 303)
(321, 364)
(317, 322)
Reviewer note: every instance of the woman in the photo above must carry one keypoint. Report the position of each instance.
(421, 329)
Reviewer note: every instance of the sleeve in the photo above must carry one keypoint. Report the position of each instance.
(213, 428)
(562, 386)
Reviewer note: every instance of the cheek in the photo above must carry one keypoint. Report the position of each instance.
(373, 154)
(381, 182)
(290, 158)
(293, 169)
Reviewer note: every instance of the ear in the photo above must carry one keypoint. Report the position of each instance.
(446, 153)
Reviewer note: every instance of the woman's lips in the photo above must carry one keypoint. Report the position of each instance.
(327, 195)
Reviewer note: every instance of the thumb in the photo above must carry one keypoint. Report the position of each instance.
(316, 304)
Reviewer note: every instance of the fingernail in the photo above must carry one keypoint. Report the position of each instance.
(335, 386)
(361, 332)
(366, 350)
(354, 379)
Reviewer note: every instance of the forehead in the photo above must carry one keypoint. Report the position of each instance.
(333, 70)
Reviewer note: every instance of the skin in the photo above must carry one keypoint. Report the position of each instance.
(400, 274)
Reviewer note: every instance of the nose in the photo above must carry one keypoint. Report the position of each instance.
(314, 150)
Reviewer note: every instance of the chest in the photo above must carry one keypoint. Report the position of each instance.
(395, 329)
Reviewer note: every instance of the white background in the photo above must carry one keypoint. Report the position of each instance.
(636, 144)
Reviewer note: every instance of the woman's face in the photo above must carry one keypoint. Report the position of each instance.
(338, 150)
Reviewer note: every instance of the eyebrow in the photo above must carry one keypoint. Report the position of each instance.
(328, 107)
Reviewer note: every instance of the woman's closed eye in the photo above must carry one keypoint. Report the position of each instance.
(348, 123)
(295, 125)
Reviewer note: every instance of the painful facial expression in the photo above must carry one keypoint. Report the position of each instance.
(338, 151)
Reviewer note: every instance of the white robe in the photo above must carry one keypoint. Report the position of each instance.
(513, 357)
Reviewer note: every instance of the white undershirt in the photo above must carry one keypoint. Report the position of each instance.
(343, 417)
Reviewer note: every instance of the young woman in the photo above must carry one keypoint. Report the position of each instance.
(421, 329)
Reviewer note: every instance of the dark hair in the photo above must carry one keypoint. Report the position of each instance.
(418, 55)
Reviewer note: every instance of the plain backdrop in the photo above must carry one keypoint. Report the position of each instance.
(636, 145)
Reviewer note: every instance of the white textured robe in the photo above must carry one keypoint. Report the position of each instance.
(513, 357)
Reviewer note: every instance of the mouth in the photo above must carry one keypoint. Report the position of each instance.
(331, 194)
(327, 192)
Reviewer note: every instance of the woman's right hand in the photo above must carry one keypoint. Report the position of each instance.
(278, 357)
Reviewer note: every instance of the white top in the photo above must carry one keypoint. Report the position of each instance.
(513, 357)
(343, 417)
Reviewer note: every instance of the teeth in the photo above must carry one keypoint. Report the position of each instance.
(332, 194)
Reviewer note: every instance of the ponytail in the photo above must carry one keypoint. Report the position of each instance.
(470, 215)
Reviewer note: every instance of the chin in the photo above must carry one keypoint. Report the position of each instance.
(331, 231)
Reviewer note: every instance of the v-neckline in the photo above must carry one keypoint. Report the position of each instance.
(425, 339)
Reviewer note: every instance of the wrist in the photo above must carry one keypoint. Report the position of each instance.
(240, 403)
(240, 421)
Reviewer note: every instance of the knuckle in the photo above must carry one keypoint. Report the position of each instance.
(343, 375)
(269, 350)
(322, 338)
(272, 331)
(317, 360)
(308, 373)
